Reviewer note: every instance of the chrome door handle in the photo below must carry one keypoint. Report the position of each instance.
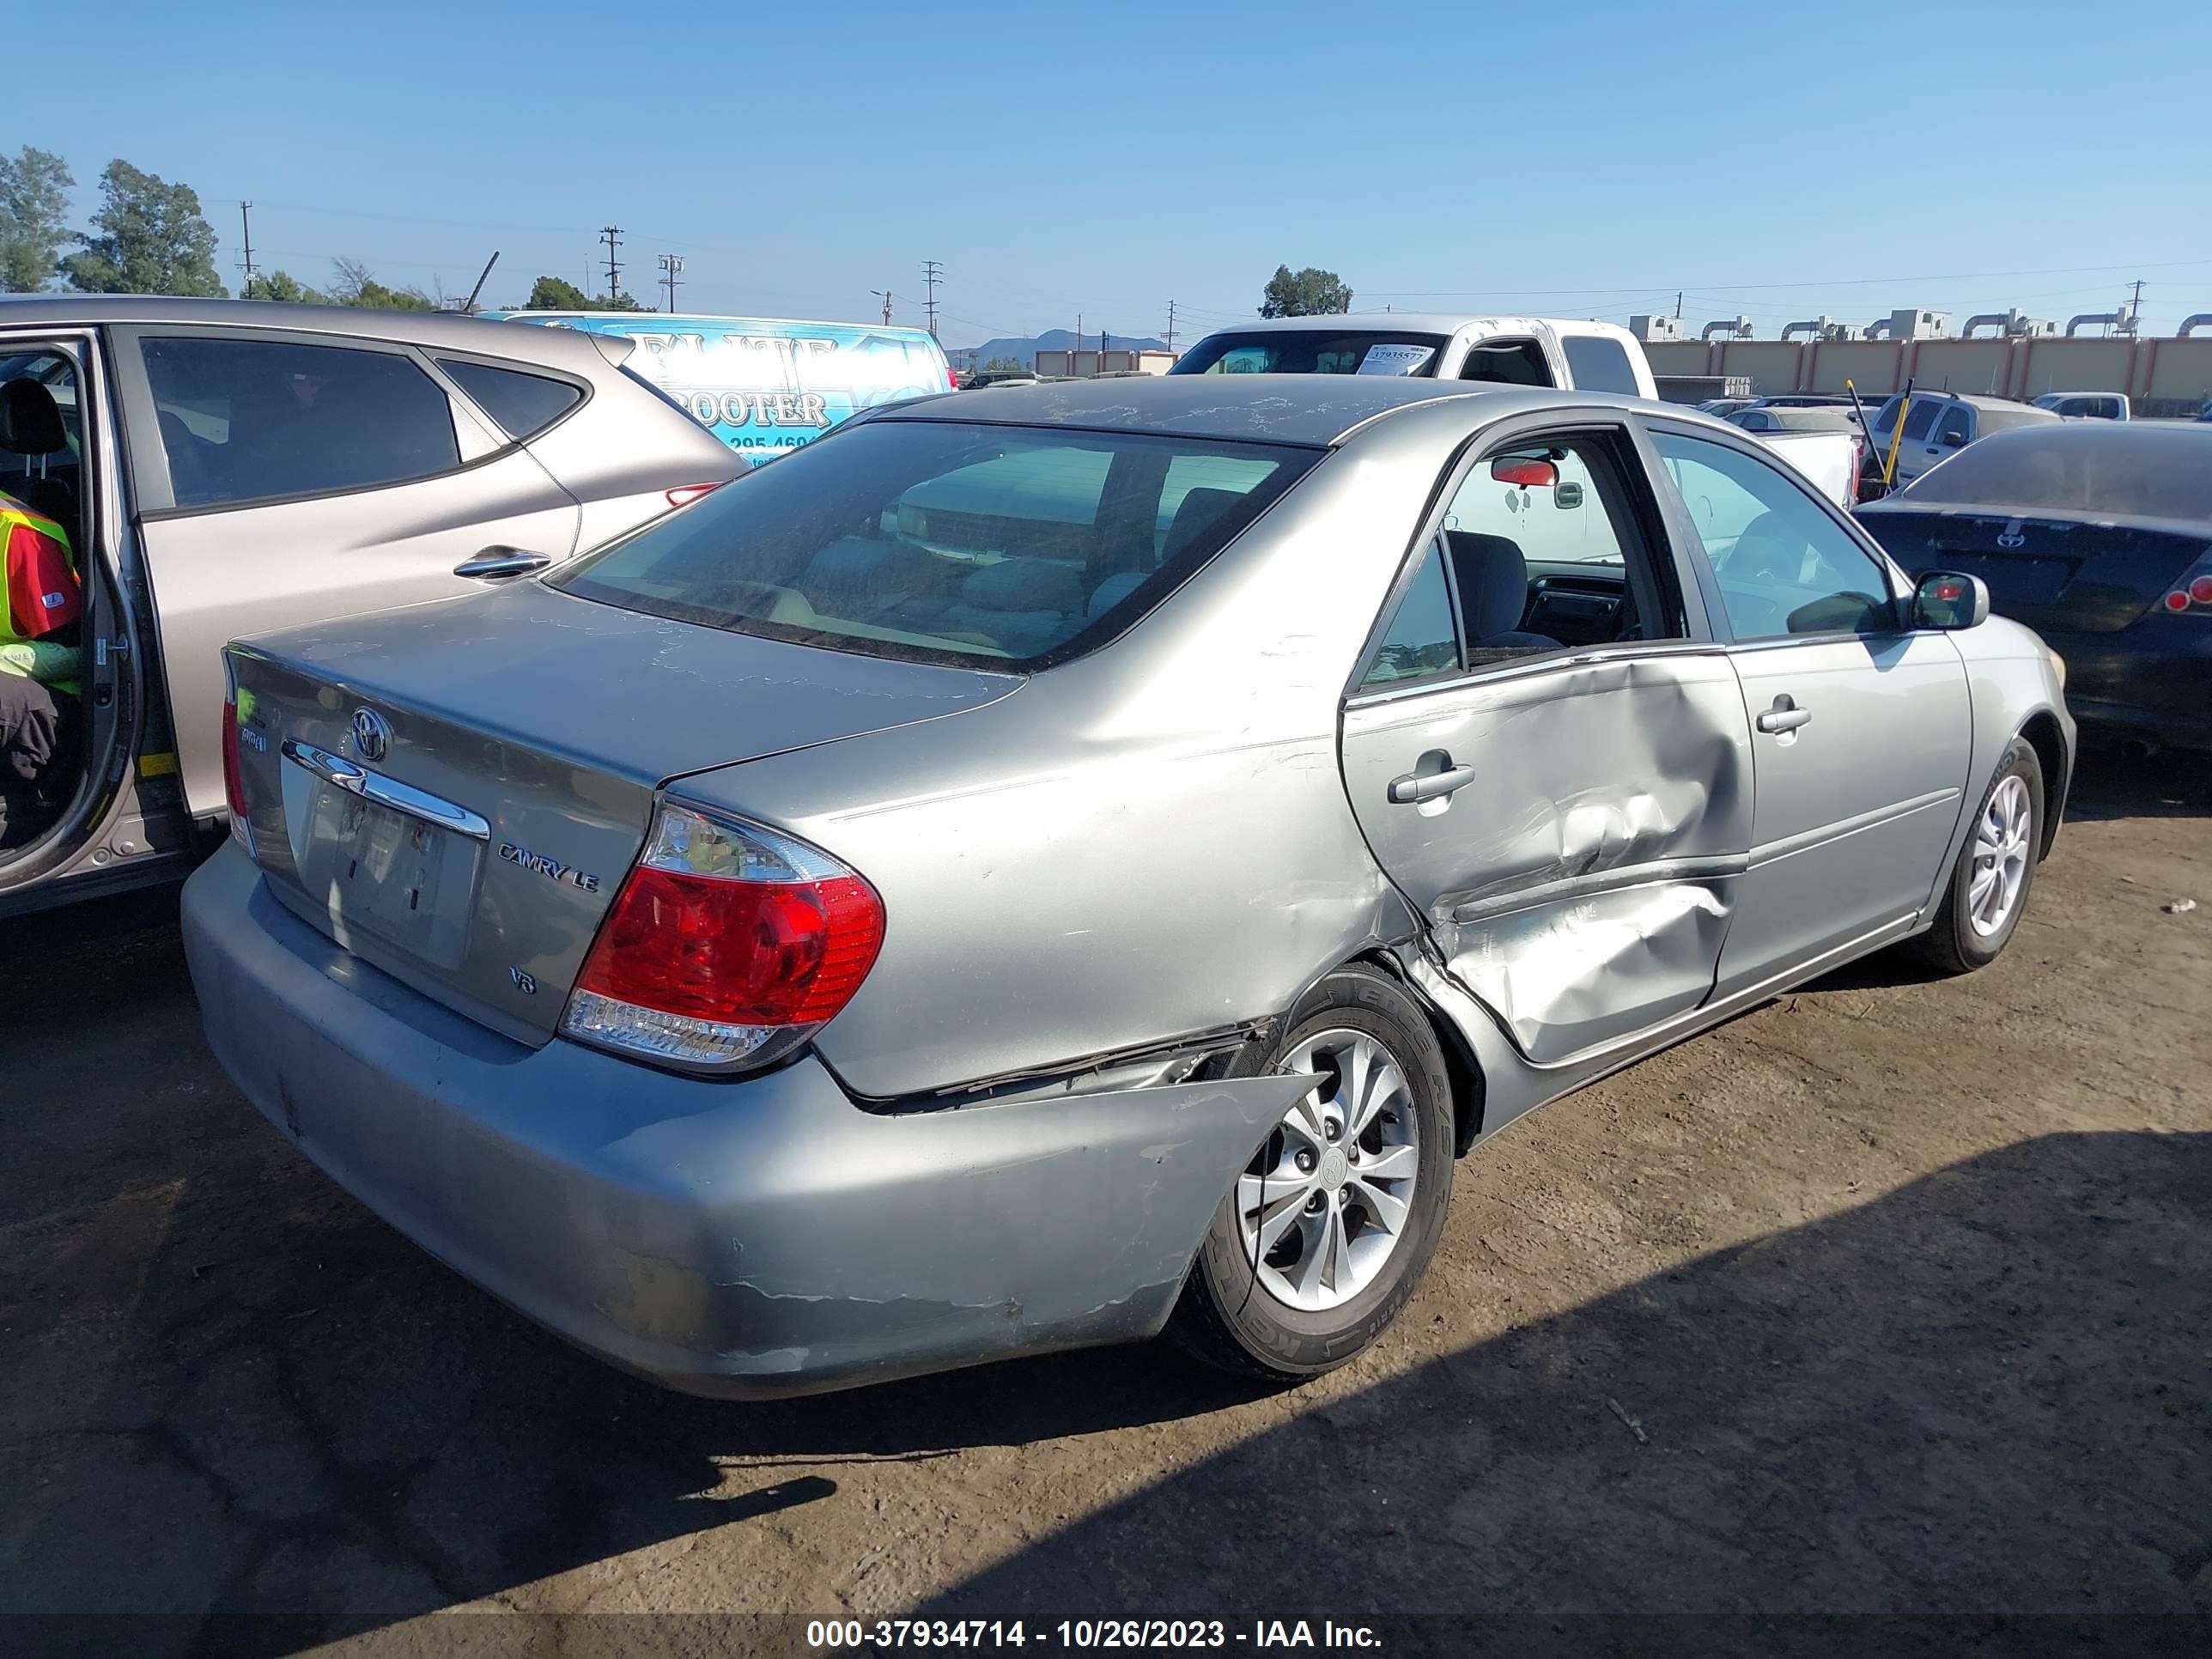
(1784, 716)
(1419, 787)
(495, 563)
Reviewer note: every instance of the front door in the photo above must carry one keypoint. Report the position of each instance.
(1860, 729)
(283, 479)
(1546, 753)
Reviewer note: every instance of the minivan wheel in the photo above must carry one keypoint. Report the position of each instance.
(1326, 1232)
(1981, 908)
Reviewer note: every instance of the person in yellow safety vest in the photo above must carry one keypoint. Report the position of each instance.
(40, 658)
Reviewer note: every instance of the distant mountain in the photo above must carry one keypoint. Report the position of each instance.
(1024, 351)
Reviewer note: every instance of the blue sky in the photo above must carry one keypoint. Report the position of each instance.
(1584, 159)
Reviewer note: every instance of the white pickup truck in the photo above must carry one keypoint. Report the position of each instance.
(1534, 352)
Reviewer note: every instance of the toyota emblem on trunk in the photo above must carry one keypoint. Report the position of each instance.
(371, 734)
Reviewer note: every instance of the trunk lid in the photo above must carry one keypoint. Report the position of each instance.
(2059, 575)
(456, 791)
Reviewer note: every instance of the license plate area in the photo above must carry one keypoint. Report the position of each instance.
(408, 882)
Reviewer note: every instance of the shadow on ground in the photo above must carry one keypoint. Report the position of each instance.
(2112, 783)
(1989, 1390)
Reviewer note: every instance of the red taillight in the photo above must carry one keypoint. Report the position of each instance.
(234, 778)
(729, 943)
(684, 494)
(953, 379)
(2177, 600)
(2201, 590)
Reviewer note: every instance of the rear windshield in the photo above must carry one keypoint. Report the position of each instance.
(1316, 351)
(990, 546)
(2122, 470)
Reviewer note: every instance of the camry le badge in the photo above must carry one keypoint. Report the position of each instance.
(371, 733)
(551, 869)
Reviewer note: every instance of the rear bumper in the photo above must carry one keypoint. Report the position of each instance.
(2152, 679)
(738, 1239)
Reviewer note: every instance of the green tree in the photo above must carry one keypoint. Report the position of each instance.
(1308, 293)
(551, 294)
(1004, 366)
(148, 237)
(617, 300)
(356, 285)
(33, 196)
(282, 287)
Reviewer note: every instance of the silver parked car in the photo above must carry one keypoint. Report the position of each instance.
(1055, 867)
(226, 467)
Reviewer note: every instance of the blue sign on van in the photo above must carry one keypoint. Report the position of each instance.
(761, 384)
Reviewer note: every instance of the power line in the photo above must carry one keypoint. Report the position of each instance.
(930, 268)
(612, 235)
(670, 264)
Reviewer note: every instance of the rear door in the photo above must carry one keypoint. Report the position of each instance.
(1572, 819)
(285, 478)
(1860, 728)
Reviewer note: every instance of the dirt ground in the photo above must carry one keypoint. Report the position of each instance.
(1893, 1297)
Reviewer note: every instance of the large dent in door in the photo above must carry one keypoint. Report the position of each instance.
(1555, 975)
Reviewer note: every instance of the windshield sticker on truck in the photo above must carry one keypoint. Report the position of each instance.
(1396, 359)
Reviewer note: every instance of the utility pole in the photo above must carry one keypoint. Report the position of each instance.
(1079, 341)
(1678, 305)
(930, 276)
(670, 264)
(884, 294)
(2135, 310)
(1171, 326)
(611, 234)
(246, 229)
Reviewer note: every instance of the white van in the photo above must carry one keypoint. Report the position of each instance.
(1503, 350)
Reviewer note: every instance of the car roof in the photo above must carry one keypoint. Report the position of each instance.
(1977, 399)
(1314, 410)
(450, 331)
(1412, 322)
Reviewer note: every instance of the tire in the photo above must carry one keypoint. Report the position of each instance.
(1959, 943)
(1237, 1314)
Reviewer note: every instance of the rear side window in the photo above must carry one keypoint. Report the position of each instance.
(991, 546)
(523, 405)
(1423, 638)
(246, 420)
(1600, 365)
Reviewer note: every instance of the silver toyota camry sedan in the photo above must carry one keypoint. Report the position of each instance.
(1084, 863)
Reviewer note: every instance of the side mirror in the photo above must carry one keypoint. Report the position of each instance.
(1946, 599)
(1954, 441)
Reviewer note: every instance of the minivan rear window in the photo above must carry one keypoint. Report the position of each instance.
(990, 546)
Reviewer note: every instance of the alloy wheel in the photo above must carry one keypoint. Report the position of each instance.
(1326, 1200)
(2001, 837)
